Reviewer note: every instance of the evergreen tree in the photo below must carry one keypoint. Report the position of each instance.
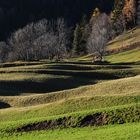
(117, 16)
(76, 41)
(118, 7)
(80, 37)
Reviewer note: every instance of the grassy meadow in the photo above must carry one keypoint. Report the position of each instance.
(74, 99)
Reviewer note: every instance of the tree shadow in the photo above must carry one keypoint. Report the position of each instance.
(72, 80)
(7, 65)
(128, 63)
(73, 76)
(71, 67)
(81, 74)
(14, 88)
(93, 67)
(4, 105)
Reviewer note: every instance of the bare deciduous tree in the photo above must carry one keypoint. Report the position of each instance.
(3, 51)
(46, 46)
(39, 41)
(99, 36)
(62, 39)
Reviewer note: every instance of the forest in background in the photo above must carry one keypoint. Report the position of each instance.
(57, 29)
(15, 14)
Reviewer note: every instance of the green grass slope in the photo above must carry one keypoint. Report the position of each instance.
(118, 132)
(75, 98)
(131, 56)
(52, 77)
(129, 39)
(124, 48)
(95, 97)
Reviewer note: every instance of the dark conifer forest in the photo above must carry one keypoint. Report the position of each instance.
(15, 14)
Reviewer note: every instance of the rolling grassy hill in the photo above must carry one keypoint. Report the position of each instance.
(131, 56)
(123, 132)
(124, 48)
(128, 40)
(74, 99)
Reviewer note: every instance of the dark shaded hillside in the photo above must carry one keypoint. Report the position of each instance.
(17, 13)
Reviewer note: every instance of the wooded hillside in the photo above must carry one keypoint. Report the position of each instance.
(15, 14)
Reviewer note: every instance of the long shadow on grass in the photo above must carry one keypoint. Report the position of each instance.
(74, 79)
(13, 88)
(90, 67)
(87, 74)
(4, 105)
